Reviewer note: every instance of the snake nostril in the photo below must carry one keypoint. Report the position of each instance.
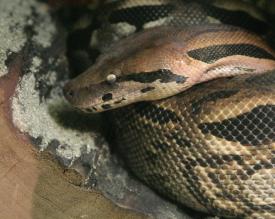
(68, 93)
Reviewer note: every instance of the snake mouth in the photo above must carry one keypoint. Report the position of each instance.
(113, 104)
(68, 93)
(90, 105)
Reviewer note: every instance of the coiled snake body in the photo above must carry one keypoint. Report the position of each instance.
(208, 145)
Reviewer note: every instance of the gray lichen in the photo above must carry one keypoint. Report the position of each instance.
(44, 31)
(15, 15)
(32, 116)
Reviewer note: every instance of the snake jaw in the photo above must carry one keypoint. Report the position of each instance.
(104, 96)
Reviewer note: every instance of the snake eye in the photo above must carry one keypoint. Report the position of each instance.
(111, 78)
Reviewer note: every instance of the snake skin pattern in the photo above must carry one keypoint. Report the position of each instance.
(211, 147)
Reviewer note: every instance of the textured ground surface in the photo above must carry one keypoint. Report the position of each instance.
(32, 184)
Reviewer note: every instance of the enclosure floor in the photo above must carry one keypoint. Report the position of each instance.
(33, 185)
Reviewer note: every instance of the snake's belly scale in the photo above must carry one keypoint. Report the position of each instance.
(212, 146)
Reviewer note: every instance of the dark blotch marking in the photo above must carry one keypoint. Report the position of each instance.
(107, 97)
(254, 128)
(156, 113)
(250, 172)
(202, 162)
(150, 157)
(163, 75)
(196, 106)
(236, 18)
(211, 54)
(227, 158)
(257, 167)
(179, 139)
(266, 79)
(266, 165)
(160, 145)
(190, 161)
(214, 178)
(140, 15)
(106, 106)
(119, 101)
(89, 110)
(255, 207)
(147, 89)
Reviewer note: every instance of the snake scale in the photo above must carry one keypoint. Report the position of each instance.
(191, 89)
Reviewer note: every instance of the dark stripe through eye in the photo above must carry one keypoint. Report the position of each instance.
(140, 15)
(163, 75)
(211, 54)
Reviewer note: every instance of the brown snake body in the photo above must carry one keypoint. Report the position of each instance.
(210, 147)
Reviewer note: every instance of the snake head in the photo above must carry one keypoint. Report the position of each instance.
(102, 88)
(135, 69)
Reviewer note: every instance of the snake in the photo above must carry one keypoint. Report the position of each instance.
(190, 87)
